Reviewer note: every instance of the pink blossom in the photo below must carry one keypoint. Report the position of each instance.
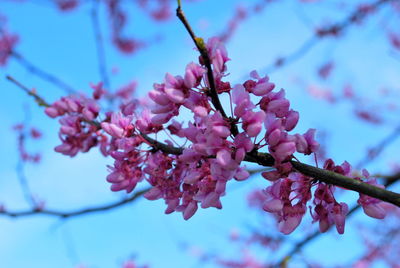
(276, 103)
(291, 120)
(98, 90)
(119, 125)
(217, 54)
(193, 75)
(190, 210)
(306, 143)
(7, 43)
(326, 69)
(127, 45)
(126, 92)
(372, 206)
(395, 40)
(292, 216)
(339, 214)
(242, 100)
(260, 87)
(252, 122)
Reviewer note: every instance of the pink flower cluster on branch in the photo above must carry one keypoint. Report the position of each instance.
(287, 199)
(197, 175)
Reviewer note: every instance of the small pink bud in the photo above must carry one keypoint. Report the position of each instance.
(190, 210)
(153, 194)
(52, 112)
(175, 95)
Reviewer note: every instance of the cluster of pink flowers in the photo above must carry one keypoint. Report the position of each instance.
(78, 133)
(124, 148)
(176, 92)
(7, 43)
(216, 144)
(200, 174)
(288, 196)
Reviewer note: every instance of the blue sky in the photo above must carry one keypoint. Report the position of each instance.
(63, 44)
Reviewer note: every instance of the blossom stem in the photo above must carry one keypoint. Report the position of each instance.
(30, 92)
(199, 42)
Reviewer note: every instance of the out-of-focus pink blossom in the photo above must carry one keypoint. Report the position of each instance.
(67, 5)
(7, 43)
(326, 69)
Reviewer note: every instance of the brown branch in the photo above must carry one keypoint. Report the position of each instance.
(348, 183)
(323, 175)
(74, 213)
(266, 159)
(258, 170)
(162, 146)
(30, 92)
(199, 42)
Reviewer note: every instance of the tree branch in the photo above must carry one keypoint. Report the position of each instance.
(162, 146)
(98, 37)
(348, 183)
(323, 175)
(40, 101)
(74, 213)
(330, 177)
(332, 30)
(199, 42)
(267, 160)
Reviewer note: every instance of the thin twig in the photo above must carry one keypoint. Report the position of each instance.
(199, 42)
(376, 150)
(36, 70)
(98, 37)
(74, 213)
(41, 73)
(332, 30)
(30, 92)
(323, 175)
(297, 54)
(20, 168)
